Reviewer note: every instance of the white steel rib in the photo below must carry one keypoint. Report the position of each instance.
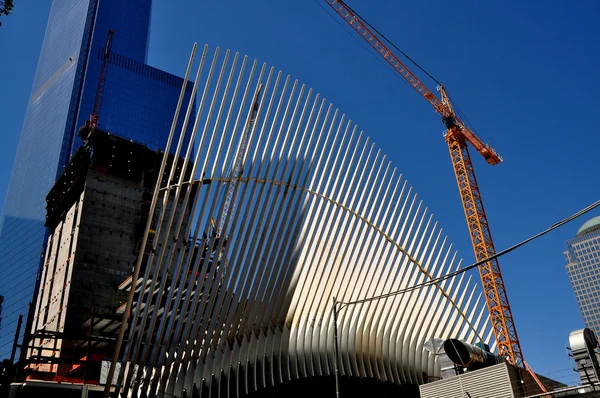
(236, 301)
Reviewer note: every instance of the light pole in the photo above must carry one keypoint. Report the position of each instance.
(340, 305)
(336, 349)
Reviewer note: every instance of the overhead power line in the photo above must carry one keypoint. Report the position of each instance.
(478, 263)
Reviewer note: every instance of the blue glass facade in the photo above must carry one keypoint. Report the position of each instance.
(137, 100)
(138, 103)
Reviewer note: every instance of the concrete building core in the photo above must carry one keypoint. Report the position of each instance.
(138, 102)
(96, 215)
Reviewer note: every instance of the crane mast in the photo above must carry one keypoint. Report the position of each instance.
(457, 136)
(102, 80)
(483, 246)
(221, 229)
(229, 206)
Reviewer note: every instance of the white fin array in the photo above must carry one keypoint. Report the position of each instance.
(320, 212)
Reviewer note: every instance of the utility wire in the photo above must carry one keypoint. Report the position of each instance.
(521, 383)
(478, 263)
(558, 371)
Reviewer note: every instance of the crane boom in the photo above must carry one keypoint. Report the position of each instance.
(457, 136)
(441, 106)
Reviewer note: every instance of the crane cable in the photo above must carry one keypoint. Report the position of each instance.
(390, 42)
(455, 105)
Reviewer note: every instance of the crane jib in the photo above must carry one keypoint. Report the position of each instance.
(388, 55)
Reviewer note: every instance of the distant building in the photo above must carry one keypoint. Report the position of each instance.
(96, 215)
(583, 266)
(139, 102)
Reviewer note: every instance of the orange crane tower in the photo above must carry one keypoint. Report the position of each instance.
(102, 80)
(457, 136)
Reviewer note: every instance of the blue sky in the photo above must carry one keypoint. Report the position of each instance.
(523, 72)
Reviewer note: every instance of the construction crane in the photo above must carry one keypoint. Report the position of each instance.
(214, 252)
(92, 122)
(457, 136)
(229, 206)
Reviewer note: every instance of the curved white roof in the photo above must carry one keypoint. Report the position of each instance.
(319, 212)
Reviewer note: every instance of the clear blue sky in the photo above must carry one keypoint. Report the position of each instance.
(525, 73)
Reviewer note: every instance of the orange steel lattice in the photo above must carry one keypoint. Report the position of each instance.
(92, 122)
(102, 80)
(481, 237)
(536, 378)
(457, 136)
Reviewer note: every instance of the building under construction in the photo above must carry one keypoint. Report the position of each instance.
(96, 214)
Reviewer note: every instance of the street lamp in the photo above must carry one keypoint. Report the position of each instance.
(335, 348)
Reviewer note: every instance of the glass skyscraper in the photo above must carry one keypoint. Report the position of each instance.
(583, 266)
(138, 103)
